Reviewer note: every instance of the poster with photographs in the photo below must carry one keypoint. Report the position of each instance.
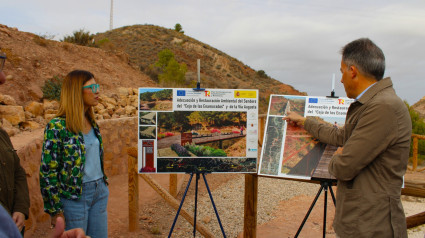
(288, 150)
(183, 130)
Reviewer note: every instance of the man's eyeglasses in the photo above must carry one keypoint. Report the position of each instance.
(2, 60)
(94, 87)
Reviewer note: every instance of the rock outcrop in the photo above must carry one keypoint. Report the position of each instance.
(15, 119)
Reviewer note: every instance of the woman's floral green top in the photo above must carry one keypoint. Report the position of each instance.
(62, 164)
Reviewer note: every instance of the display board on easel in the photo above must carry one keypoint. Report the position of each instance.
(184, 130)
(289, 151)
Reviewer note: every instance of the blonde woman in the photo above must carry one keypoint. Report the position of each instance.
(72, 181)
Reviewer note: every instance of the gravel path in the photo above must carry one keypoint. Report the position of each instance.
(229, 202)
(412, 206)
(230, 205)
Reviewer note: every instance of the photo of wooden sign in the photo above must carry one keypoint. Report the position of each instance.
(148, 161)
(186, 138)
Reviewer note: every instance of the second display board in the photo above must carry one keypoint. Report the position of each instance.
(288, 150)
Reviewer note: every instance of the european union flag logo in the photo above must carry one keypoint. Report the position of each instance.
(181, 93)
(313, 100)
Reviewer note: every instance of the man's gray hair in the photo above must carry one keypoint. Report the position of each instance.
(366, 56)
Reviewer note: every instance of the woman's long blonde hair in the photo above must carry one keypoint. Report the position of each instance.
(71, 101)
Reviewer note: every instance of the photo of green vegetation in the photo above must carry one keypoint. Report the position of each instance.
(155, 99)
(211, 165)
(201, 134)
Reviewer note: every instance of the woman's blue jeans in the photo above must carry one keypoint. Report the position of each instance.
(89, 212)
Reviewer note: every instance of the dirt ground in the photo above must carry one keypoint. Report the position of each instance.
(290, 214)
(156, 216)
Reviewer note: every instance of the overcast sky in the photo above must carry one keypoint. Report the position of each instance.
(294, 41)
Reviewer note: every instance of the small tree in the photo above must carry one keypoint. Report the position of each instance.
(178, 28)
(174, 74)
(171, 72)
(164, 56)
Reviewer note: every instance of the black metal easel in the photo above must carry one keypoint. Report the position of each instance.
(196, 203)
(325, 184)
(198, 173)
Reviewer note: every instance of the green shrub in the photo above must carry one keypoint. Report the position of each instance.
(170, 72)
(52, 88)
(218, 153)
(103, 41)
(262, 74)
(164, 56)
(173, 75)
(155, 230)
(200, 150)
(105, 44)
(80, 37)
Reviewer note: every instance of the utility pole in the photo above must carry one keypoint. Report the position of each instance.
(112, 15)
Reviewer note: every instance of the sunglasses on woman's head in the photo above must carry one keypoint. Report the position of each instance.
(94, 87)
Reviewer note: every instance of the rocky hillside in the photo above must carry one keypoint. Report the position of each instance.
(120, 65)
(32, 60)
(218, 70)
(420, 107)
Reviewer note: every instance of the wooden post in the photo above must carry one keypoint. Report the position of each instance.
(250, 208)
(262, 128)
(413, 188)
(415, 220)
(173, 185)
(415, 153)
(133, 190)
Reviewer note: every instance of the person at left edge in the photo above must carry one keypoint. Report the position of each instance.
(72, 180)
(14, 195)
(8, 228)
